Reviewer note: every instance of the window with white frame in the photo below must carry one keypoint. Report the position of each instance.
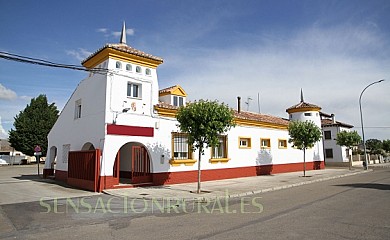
(118, 65)
(148, 72)
(180, 146)
(178, 101)
(77, 109)
(138, 69)
(220, 151)
(129, 67)
(134, 90)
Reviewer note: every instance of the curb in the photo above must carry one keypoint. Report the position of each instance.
(271, 189)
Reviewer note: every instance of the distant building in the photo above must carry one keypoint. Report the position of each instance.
(118, 129)
(335, 155)
(9, 154)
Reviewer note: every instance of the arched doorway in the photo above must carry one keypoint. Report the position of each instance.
(132, 164)
(87, 147)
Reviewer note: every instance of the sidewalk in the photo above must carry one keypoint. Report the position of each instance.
(237, 187)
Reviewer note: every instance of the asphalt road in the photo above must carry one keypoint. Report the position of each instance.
(355, 207)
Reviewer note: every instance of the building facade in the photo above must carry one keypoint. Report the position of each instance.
(120, 111)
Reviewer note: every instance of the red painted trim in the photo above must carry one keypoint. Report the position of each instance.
(130, 130)
(61, 175)
(228, 173)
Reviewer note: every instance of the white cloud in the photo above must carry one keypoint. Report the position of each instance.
(3, 133)
(331, 65)
(129, 32)
(7, 94)
(102, 30)
(80, 54)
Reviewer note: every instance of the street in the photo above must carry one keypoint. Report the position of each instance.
(354, 207)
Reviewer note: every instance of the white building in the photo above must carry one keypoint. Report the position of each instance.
(119, 128)
(335, 155)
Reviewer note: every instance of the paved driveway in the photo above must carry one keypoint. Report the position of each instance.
(20, 183)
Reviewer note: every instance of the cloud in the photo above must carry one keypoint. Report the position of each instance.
(332, 65)
(80, 54)
(7, 94)
(129, 32)
(3, 133)
(116, 34)
(102, 30)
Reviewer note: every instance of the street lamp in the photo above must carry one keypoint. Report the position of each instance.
(361, 120)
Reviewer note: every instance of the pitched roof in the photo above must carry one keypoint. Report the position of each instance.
(330, 123)
(261, 119)
(303, 106)
(258, 117)
(125, 49)
(173, 90)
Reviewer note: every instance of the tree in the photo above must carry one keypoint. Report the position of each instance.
(303, 136)
(32, 125)
(374, 145)
(204, 121)
(386, 145)
(349, 140)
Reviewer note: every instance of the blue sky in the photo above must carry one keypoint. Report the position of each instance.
(214, 50)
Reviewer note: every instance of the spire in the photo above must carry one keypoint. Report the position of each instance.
(123, 34)
(302, 95)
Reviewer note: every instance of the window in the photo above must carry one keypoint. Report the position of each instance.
(118, 65)
(328, 134)
(148, 72)
(307, 114)
(178, 101)
(129, 67)
(181, 148)
(282, 143)
(134, 90)
(65, 152)
(265, 143)
(220, 151)
(328, 153)
(138, 69)
(244, 142)
(77, 109)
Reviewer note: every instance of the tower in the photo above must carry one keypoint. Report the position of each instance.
(304, 111)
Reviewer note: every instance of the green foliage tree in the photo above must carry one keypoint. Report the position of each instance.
(386, 145)
(349, 140)
(374, 145)
(303, 135)
(32, 126)
(204, 121)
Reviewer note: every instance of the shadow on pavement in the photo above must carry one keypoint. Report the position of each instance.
(377, 186)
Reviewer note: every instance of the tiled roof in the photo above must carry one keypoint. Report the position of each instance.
(260, 117)
(330, 123)
(264, 118)
(165, 105)
(303, 105)
(168, 89)
(127, 49)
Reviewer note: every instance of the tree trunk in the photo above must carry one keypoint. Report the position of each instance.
(350, 159)
(200, 155)
(304, 162)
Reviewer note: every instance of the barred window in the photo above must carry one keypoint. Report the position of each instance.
(181, 148)
(220, 151)
(265, 143)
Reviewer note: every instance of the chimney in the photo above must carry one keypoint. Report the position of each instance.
(333, 118)
(239, 104)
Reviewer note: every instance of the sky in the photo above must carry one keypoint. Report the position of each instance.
(263, 51)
